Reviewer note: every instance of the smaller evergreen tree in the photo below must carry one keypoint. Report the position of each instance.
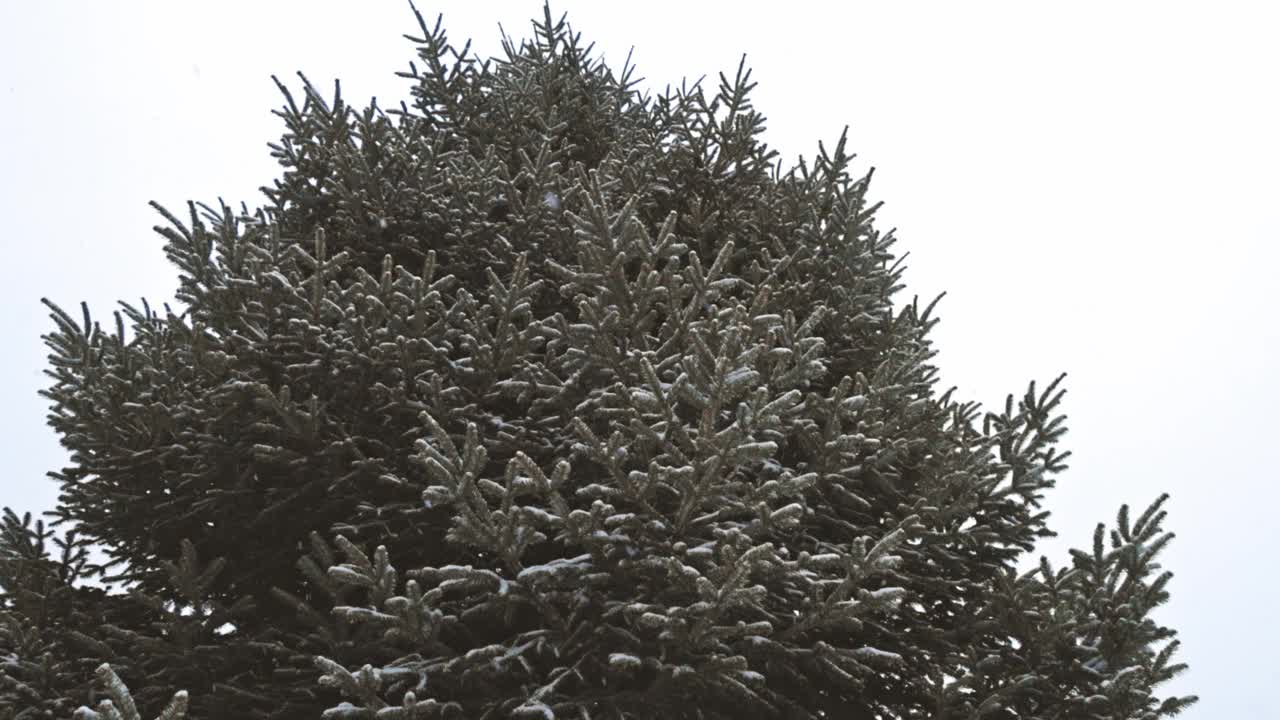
(47, 624)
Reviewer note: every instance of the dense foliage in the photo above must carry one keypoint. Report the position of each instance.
(632, 406)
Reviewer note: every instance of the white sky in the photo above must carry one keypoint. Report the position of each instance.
(1094, 186)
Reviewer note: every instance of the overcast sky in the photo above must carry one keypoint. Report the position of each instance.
(1094, 186)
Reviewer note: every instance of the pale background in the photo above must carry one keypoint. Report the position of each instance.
(1094, 185)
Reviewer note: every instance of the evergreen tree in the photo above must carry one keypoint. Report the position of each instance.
(631, 403)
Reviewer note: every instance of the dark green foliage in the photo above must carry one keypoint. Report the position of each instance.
(632, 406)
(121, 705)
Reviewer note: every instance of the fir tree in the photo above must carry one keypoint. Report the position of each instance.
(630, 403)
